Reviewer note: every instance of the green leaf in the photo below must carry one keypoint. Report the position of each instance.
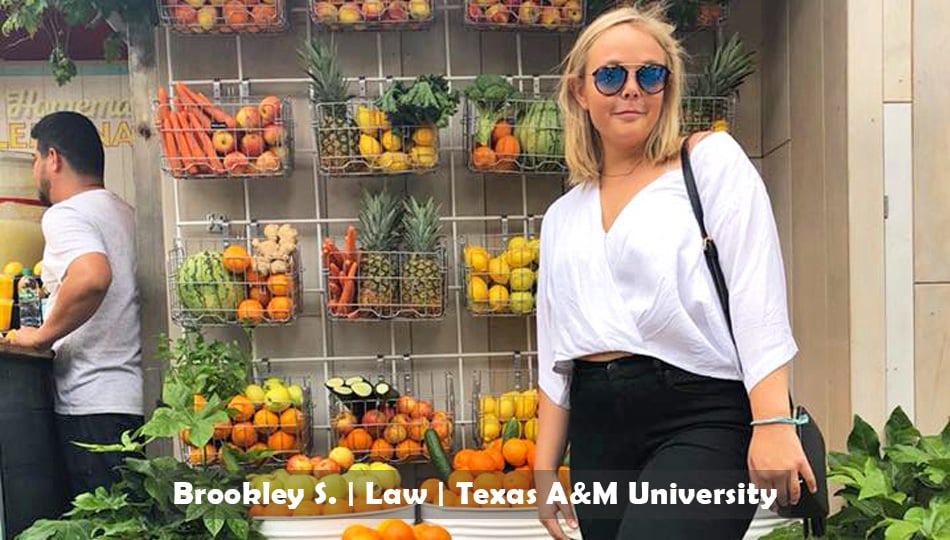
(165, 422)
(213, 525)
(240, 528)
(875, 483)
(902, 453)
(945, 434)
(99, 501)
(45, 529)
(863, 439)
(900, 430)
(124, 529)
(900, 530)
(785, 532)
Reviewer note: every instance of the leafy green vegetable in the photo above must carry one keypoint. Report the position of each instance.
(895, 492)
(491, 95)
(206, 368)
(427, 101)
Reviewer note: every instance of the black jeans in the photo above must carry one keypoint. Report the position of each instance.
(640, 419)
(85, 470)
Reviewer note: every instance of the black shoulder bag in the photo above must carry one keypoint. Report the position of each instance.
(811, 508)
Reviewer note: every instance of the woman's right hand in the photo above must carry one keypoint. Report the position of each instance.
(548, 513)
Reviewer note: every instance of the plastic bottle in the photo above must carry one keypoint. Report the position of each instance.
(30, 298)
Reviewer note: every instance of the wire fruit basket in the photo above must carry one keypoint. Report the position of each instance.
(702, 113)
(500, 273)
(273, 417)
(374, 15)
(224, 17)
(528, 138)
(235, 137)
(213, 282)
(500, 395)
(356, 139)
(380, 421)
(527, 15)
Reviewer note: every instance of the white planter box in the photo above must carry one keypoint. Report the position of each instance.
(328, 527)
(489, 523)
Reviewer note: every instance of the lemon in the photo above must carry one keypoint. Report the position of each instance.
(255, 393)
(517, 242)
(382, 120)
(424, 136)
(535, 246)
(390, 141)
(487, 405)
(38, 269)
(498, 297)
(477, 289)
(13, 268)
(423, 156)
(370, 147)
(519, 257)
(393, 161)
(522, 302)
(531, 429)
(521, 279)
(479, 260)
(507, 406)
(529, 399)
(489, 428)
(499, 270)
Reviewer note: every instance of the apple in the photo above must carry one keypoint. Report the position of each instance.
(185, 15)
(420, 9)
(207, 17)
(334, 485)
(400, 419)
(326, 12)
(573, 12)
(236, 162)
(273, 135)
(195, 3)
(269, 110)
(267, 162)
(299, 464)
(345, 422)
(550, 16)
(528, 13)
(223, 143)
(395, 433)
(474, 12)
(442, 427)
(325, 467)
(252, 144)
(235, 14)
(405, 405)
(248, 117)
(423, 410)
(350, 13)
(386, 475)
(264, 15)
(396, 12)
(342, 456)
(374, 420)
(372, 9)
(497, 13)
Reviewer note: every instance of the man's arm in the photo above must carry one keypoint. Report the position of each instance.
(83, 288)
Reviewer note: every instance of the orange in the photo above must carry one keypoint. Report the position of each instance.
(450, 499)
(515, 452)
(360, 532)
(487, 481)
(308, 508)
(341, 506)
(243, 408)
(250, 311)
(359, 440)
(243, 434)
(280, 309)
(433, 532)
(381, 450)
(197, 456)
(517, 480)
(184, 434)
(431, 486)
(407, 449)
(494, 445)
(530, 457)
(459, 476)
(221, 430)
(259, 293)
(281, 441)
(279, 284)
(360, 504)
(498, 459)
(395, 529)
(481, 461)
(291, 421)
(564, 476)
(462, 458)
(236, 259)
(256, 510)
(277, 510)
(266, 421)
(199, 402)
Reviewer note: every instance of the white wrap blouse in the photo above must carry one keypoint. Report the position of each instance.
(643, 286)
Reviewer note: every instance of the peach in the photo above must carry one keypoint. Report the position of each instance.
(350, 13)
(269, 109)
(185, 15)
(420, 9)
(274, 135)
(223, 142)
(236, 162)
(372, 9)
(326, 12)
(235, 14)
(248, 117)
(528, 13)
(267, 162)
(252, 145)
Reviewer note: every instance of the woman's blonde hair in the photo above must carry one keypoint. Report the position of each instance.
(582, 145)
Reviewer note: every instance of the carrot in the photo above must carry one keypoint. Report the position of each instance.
(187, 98)
(349, 287)
(163, 107)
(206, 145)
(168, 141)
(200, 160)
(180, 141)
(334, 289)
(216, 113)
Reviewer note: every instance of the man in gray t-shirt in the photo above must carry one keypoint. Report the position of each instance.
(92, 319)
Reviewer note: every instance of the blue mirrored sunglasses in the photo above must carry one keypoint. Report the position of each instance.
(610, 80)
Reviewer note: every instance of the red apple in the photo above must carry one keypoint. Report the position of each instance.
(400, 419)
(372, 9)
(223, 142)
(236, 162)
(497, 13)
(405, 405)
(248, 117)
(269, 110)
(344, 422)
(267, 162)
(314, 461)
(395, 433)
(325, 467)
(299, 464)
(185, 15)
(423, 410)
(396, 12)
(326, 12)
(474, 12)
(374, 421)
(273, 135)
(252, 145)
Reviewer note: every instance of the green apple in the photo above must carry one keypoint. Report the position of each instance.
(296, 395)
(254, 393)
(334, 485)
(273, 382)
(277, 399)
(386, 475)
(360, 467)
(257, 481)
(302, 481)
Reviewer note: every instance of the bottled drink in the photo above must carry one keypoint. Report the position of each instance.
(30, 298)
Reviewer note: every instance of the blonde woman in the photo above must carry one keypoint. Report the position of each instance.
(637, 368)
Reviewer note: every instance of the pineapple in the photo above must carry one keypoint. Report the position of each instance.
(337, 135)
(421, 276)
(721, 78)
(380, 219)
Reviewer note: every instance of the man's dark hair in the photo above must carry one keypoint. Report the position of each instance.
(75, 137)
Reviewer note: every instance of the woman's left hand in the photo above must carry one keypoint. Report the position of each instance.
(776, 460)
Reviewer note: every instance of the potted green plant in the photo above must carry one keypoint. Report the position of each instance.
(899, 491)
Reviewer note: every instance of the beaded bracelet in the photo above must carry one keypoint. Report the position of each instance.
(801, 420)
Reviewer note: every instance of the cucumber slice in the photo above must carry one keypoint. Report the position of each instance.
(334, 382)
(353, 380)
(363, 390)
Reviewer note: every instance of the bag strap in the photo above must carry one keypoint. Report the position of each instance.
(709, 246)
